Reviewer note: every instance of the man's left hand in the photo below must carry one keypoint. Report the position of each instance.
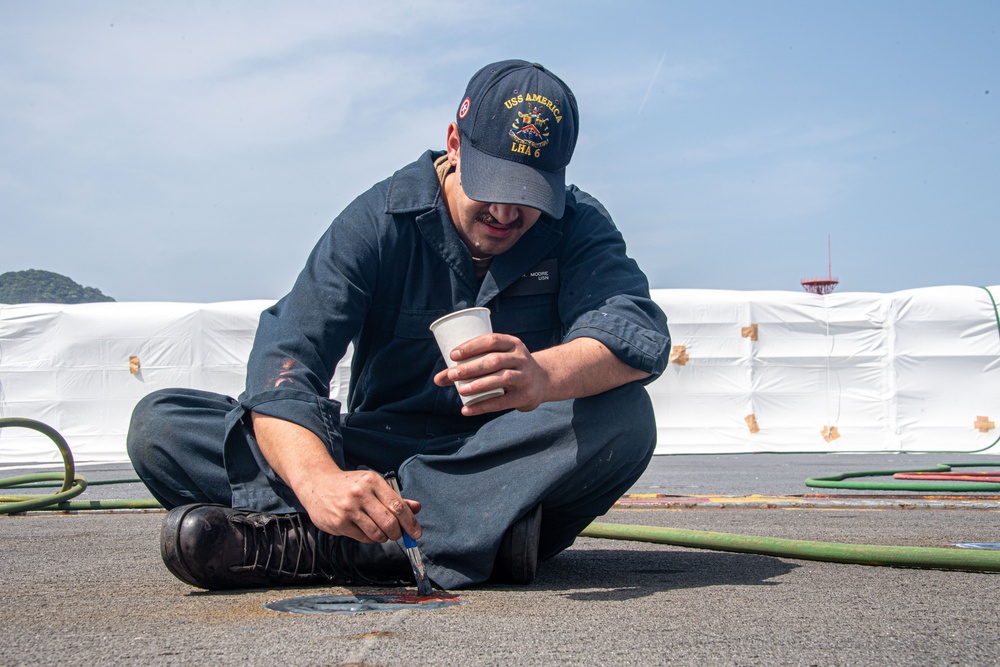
(506, 363)
(581, 367)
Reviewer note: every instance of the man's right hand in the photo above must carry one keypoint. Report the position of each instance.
(355, 503)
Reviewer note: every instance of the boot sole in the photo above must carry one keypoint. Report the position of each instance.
(170, 550)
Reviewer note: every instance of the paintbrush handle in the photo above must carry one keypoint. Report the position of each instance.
(412, 550)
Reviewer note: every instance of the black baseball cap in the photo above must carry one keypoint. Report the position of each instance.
(519, 124)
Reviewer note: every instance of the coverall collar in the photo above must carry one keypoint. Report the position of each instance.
(415, 189)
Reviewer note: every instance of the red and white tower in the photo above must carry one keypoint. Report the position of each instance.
(822, 285)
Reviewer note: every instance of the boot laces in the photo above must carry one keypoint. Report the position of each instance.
(288, 547)
(281, 545)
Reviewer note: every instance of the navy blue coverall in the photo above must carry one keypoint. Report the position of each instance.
(386, 268)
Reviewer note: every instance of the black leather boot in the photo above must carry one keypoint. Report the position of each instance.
(216, 547)
(517, 559)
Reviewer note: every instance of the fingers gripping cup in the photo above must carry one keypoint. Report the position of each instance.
(456, 328)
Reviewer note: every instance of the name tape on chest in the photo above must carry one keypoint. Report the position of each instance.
(543, 278)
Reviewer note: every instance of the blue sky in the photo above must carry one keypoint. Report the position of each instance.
(195, 151)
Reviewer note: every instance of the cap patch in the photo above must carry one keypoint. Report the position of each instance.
(463, 110)
(530, 130)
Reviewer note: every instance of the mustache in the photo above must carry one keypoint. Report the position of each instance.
(487, 218)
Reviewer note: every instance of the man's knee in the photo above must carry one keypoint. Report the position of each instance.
(169, 419)
(624, 415)
(146, 426)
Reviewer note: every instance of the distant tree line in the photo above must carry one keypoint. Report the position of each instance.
(35, 286)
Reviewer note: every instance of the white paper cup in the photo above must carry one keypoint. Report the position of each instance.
(454, 329)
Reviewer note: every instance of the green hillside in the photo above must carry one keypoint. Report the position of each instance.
(35, 286)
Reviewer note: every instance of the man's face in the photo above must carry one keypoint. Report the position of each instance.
(487, 229)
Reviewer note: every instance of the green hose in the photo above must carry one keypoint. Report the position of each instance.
(72, 484)
(832, 552)
(13, 504)
(861, 554)
(837, 481)
(54, 436)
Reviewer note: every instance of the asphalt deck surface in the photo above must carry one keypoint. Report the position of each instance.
(89, 587)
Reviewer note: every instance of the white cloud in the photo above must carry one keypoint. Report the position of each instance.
(197, 79)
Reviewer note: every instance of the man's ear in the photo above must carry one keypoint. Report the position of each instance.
(453, 143)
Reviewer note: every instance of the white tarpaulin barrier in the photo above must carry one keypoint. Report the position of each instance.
(794, 372)
(751, 371)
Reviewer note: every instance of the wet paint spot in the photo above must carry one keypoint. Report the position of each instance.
(360, 604)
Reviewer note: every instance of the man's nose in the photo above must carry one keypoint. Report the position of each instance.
(504, 213)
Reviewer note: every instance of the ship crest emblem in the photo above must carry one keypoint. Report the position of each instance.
(529, 131)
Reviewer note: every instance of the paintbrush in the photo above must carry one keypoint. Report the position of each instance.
(412, 550)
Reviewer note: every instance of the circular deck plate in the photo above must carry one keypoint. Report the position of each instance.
(361, 604)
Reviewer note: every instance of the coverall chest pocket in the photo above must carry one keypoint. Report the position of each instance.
(415, 324)
(534, 319)
(402, 360)
(404, 342)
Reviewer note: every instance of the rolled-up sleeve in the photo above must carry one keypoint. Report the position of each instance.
(605, 294)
